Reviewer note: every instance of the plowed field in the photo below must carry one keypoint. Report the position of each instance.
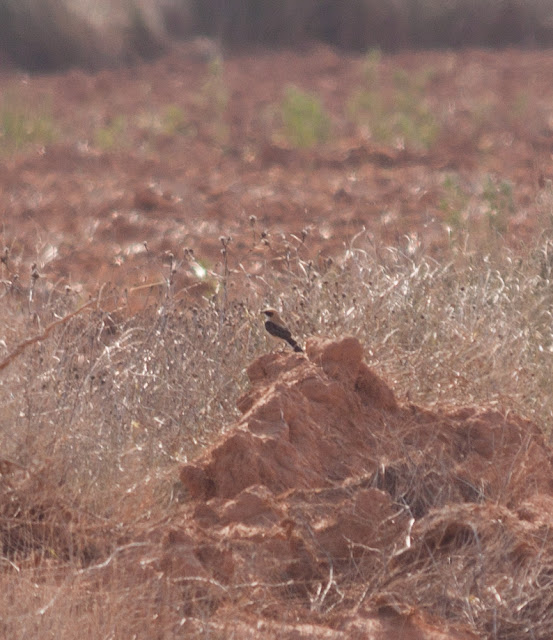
(419, 148)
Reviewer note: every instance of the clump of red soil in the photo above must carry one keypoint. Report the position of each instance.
(331, 509)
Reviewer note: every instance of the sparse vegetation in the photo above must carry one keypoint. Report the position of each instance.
(102, 409)
(498, 197)
(453, 204)
(394, 113)
(215, 99)
(174, 120)
(465, 211)
(113, 134)
(304, 118)
(20, 125)
(170, 120)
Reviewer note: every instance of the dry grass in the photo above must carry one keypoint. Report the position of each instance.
(472, 327)
(98, 408)
(479, 567)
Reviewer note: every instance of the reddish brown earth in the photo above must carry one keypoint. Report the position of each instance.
(346, 513)
(83, 212)
(331, 510)
(328, 510)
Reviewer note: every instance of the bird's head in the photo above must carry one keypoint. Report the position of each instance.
(270, 313)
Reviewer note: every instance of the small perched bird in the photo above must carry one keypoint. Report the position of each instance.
(276, 327)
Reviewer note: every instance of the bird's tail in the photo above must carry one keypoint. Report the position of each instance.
(293, 344)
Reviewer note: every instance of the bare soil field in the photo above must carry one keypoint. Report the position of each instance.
(161, 474)
(182, 151)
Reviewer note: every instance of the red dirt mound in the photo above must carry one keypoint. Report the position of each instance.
(330, 505)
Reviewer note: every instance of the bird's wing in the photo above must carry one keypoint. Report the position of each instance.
(278, 330)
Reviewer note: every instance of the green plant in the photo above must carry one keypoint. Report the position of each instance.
(371, 67)
(396, 114)
(453, 203)
(171, 121)
(304, 118)
(21, 125)
(498, 197)
(112, 134)
(174, 120)
(216, 97)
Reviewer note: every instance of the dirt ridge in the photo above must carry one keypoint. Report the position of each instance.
(327, 480)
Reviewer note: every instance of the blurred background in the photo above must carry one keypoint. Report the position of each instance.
(45, 35)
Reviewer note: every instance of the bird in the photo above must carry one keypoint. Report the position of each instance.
(276, 327)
